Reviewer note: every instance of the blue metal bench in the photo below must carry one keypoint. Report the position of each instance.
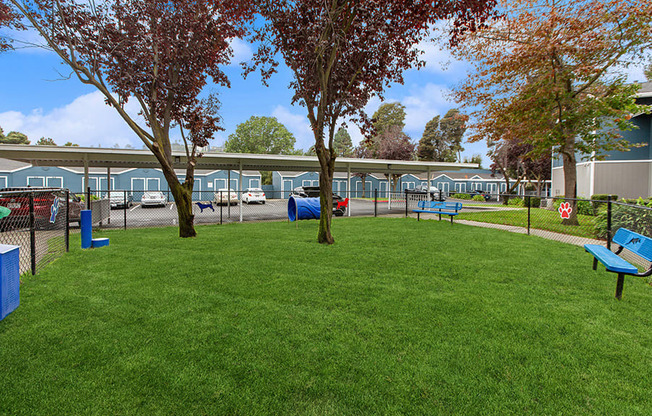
(626, 239)
(441, 208)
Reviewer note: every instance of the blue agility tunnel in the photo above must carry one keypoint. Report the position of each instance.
(303, 208)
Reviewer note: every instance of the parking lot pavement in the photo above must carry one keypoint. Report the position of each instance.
(273, 209)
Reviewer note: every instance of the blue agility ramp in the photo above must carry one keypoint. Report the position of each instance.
(303, 208)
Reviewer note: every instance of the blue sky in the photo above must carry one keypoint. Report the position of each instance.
(35, 100)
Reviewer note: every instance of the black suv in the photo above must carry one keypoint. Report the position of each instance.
(313, 192)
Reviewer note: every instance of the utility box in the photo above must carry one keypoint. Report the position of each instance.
(9, 279)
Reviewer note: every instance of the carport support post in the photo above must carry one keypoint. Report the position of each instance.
(108, 192)
(240, 193)
(428, 187)
(348, 186)
(88, 206)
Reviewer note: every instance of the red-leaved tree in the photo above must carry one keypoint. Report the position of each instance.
(342, 52)
(159, 53)
(9, 19)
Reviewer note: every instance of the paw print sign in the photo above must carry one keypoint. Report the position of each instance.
(565, 210)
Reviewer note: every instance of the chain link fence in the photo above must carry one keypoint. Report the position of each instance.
(39, 223)
(141, 208)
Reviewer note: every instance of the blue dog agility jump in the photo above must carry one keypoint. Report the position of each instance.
(87, 240)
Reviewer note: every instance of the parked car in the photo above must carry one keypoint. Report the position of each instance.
(153, 199)
(313, 192)
(253, 195)
(117, 199)
(17, 200)
(485, 195)
(225, 196)
(435, 194)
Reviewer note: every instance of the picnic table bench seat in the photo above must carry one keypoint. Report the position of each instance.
(626, 239)
(437, 207)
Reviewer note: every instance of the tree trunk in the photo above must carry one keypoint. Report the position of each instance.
(570, 182)
(183, 200)
(182, 194)
(363, 184)
(326, 201)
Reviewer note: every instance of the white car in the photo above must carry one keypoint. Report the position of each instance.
(153, 199)
(253, 195)
(117, 199)
(225, 196)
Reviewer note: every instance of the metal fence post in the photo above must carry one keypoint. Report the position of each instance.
(67, 236)
(221, 207)
(88, 197)
(529, 207)
(609, 222)
(32, 233)
(376, 202)
(124, 211)
(406, 203)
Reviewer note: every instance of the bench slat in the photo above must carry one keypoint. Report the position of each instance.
(634, 242)
(610, 260)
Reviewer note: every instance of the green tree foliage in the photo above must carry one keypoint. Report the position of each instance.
(453, 127)
(71, 144)
(263, 135)
(426, 147)
(45, 141)
(648, 71)
(474, 159)
(387, 116)
(13, 137)
(442, 138)
(342, 143)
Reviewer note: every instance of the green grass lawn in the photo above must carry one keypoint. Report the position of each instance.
(398, 317)
(540, 218)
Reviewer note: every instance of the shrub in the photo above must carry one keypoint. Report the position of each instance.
(632, 217)
(601, 197)
(478, 198)
(462, 196)
(516, 201)
(533, 201)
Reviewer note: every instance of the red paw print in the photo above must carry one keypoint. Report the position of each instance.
(565, 210)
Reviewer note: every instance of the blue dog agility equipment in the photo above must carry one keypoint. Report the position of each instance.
(303, 208)
(9, 279)
(87, 240)
(86, 228)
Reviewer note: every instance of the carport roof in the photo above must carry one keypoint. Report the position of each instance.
(128, 158)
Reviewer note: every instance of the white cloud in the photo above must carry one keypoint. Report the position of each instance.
(86, 121)
(242, 51)
(440, 61)
(297, 124)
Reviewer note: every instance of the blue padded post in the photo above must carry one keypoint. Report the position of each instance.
(86, 228)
